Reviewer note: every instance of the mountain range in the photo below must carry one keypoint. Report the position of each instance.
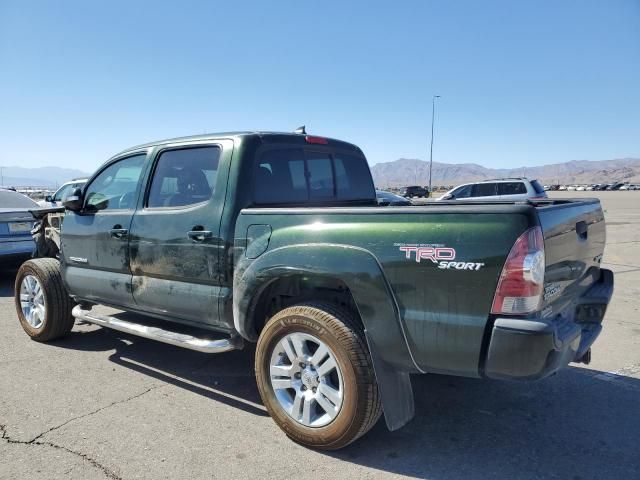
(408, 171)
(50, 177)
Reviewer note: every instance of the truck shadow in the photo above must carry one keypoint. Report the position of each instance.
(226, 378)
(578, 424)
(8, 272)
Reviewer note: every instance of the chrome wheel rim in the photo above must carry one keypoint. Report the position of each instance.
(306, 379)
(32, 301)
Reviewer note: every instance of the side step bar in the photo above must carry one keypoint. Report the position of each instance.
(154, 333)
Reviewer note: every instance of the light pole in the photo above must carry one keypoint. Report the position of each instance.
(433, 116)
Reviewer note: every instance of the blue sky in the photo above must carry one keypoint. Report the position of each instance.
(521, 83)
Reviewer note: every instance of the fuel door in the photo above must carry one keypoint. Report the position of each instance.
(258, 237)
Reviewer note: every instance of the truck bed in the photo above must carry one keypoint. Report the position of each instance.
(443, 311)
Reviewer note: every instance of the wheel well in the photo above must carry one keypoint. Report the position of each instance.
(288, 291)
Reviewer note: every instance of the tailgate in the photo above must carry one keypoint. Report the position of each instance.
(574, 239)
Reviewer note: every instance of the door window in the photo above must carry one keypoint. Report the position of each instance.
(511, 188)
(184, 177)
(462, 192)
(116, 186)
(484, 190)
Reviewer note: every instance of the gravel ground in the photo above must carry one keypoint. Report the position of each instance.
(100, 404)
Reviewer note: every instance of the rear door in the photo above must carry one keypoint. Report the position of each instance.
(484, 191)
(175, 234)
(95, 241)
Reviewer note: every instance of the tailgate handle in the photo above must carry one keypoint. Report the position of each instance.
(581, 230)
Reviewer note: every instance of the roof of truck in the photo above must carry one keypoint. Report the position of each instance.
(219, 135)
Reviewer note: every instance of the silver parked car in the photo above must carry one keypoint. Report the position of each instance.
(15, 224)
(63, 192)
(499, 189)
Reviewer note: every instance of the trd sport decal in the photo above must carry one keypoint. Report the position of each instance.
(443, 256)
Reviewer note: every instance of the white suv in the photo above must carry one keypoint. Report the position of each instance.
(500, 189)
(63, 192)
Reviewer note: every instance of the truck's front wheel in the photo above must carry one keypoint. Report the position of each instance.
(315, 375)
(42, 302)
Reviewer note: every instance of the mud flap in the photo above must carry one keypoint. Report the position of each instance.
(395, 390)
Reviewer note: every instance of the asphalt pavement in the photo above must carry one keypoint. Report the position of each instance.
(101, 404)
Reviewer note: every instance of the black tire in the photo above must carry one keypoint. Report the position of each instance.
(343, 334)
(58, 320)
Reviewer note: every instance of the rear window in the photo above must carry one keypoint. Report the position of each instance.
(537, 187)
(297, 175)
(10, 199)
(511, 188)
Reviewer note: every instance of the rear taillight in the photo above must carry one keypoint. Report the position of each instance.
(521, 282)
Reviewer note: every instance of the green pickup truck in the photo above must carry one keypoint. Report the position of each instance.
(210, 242)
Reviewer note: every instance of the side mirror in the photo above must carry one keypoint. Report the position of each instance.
(74, 201)
(48, 198)
(449, 196)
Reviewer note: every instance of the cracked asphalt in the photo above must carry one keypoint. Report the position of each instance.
(100, 404)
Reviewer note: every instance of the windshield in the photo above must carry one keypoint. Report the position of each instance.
(9, 199)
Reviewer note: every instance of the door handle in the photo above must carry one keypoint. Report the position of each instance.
(199, 235)
(118, 232)
(582, 229)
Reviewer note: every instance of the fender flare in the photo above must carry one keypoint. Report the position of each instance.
(374, 299)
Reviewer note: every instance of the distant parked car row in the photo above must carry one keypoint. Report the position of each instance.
(594, 187)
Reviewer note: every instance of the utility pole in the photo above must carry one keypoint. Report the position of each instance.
(433, 117)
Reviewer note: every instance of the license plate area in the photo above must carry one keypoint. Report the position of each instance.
(20, 227)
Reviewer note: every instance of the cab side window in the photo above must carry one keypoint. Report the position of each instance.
(184, 177)
(116, 186)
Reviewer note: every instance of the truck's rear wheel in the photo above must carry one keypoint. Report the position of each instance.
(315, 375)
(42, 302)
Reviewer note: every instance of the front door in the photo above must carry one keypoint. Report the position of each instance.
(95, 241)
(175, 235)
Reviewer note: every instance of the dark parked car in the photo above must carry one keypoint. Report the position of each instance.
(15, 224)
(414, 191)
(387, 198)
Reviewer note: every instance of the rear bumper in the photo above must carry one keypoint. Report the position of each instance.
(11, 248)
(529, 349)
